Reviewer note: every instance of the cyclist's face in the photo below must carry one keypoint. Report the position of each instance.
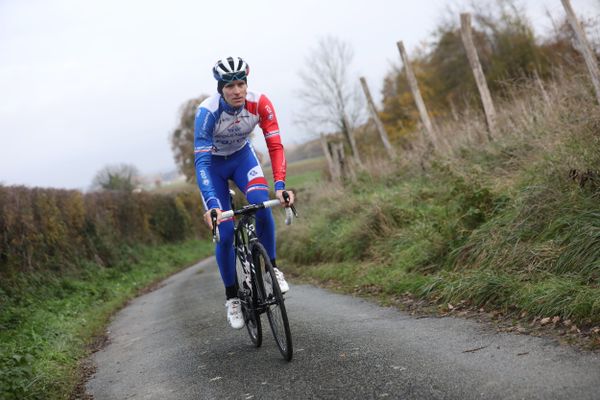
(235, 93)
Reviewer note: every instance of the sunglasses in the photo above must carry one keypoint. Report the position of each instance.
(238, 76)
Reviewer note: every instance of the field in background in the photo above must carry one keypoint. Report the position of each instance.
(301, 174)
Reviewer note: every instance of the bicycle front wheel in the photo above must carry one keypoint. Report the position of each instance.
(273, 300)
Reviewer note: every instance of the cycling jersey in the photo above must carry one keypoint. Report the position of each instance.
(222, 130)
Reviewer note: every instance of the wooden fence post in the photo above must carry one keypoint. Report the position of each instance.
(584, 47)
(333, 166)
(345, 164)
(412, 82)
(350, 137)
(380, 128)
(486, 98)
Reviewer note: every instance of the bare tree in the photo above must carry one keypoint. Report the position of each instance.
(121, 177)
(182, 138)
(332, 96)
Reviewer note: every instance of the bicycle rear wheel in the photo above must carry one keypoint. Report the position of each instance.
(274, 301)
(249, 298)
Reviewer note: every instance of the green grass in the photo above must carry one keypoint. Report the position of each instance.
(48, 322)
(438, 238)
(498, 225)
(301, 174)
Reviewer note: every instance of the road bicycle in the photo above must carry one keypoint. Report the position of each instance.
(258, 289)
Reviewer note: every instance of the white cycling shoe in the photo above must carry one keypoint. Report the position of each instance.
(283, 285)
(234, 313)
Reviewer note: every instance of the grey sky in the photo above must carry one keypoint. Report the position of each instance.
(84, 84)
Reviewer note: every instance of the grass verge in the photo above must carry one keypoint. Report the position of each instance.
(510, 226)
(47, 321)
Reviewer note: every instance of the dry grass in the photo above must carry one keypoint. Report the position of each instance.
(498, 224)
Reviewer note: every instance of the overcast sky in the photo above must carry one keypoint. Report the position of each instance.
(84, 84)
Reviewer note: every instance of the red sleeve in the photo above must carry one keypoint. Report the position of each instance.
(268, 123)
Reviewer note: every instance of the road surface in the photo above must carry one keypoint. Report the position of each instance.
(174, 343)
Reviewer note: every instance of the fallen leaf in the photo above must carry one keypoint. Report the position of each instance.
(545, 321)
(556, 320)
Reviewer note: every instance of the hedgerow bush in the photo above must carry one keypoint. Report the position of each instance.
(69, 259)
(56, 229)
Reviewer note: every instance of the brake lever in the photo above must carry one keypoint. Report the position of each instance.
(286, 198)
(215, 230)
(290, 210)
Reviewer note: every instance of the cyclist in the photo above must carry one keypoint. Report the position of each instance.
(222, 152)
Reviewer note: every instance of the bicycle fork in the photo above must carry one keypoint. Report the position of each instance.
(244, 262)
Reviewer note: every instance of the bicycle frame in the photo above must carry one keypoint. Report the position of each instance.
(251, 258)
(244, 236)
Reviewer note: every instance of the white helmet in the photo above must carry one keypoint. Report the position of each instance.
(231, 69)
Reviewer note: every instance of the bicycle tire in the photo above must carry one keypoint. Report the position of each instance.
(249, 307)
(271, 293)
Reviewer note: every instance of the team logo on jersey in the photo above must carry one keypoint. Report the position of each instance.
(204, 177)
(270, 116)
(205, 123)
(255, 173)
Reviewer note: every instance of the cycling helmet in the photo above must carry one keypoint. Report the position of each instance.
(231, 69)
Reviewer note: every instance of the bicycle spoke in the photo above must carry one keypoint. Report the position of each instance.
(273, 301)
(258, 287)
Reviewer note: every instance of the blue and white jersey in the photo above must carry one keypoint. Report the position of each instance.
(222, 130)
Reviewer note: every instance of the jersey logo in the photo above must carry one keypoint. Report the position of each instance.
(270, 112)
(204, 177)
(255, 173)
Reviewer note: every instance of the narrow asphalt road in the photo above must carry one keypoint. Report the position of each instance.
(174, 343)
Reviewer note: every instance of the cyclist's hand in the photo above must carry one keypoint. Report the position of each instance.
(208, 219)
(279, 195)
